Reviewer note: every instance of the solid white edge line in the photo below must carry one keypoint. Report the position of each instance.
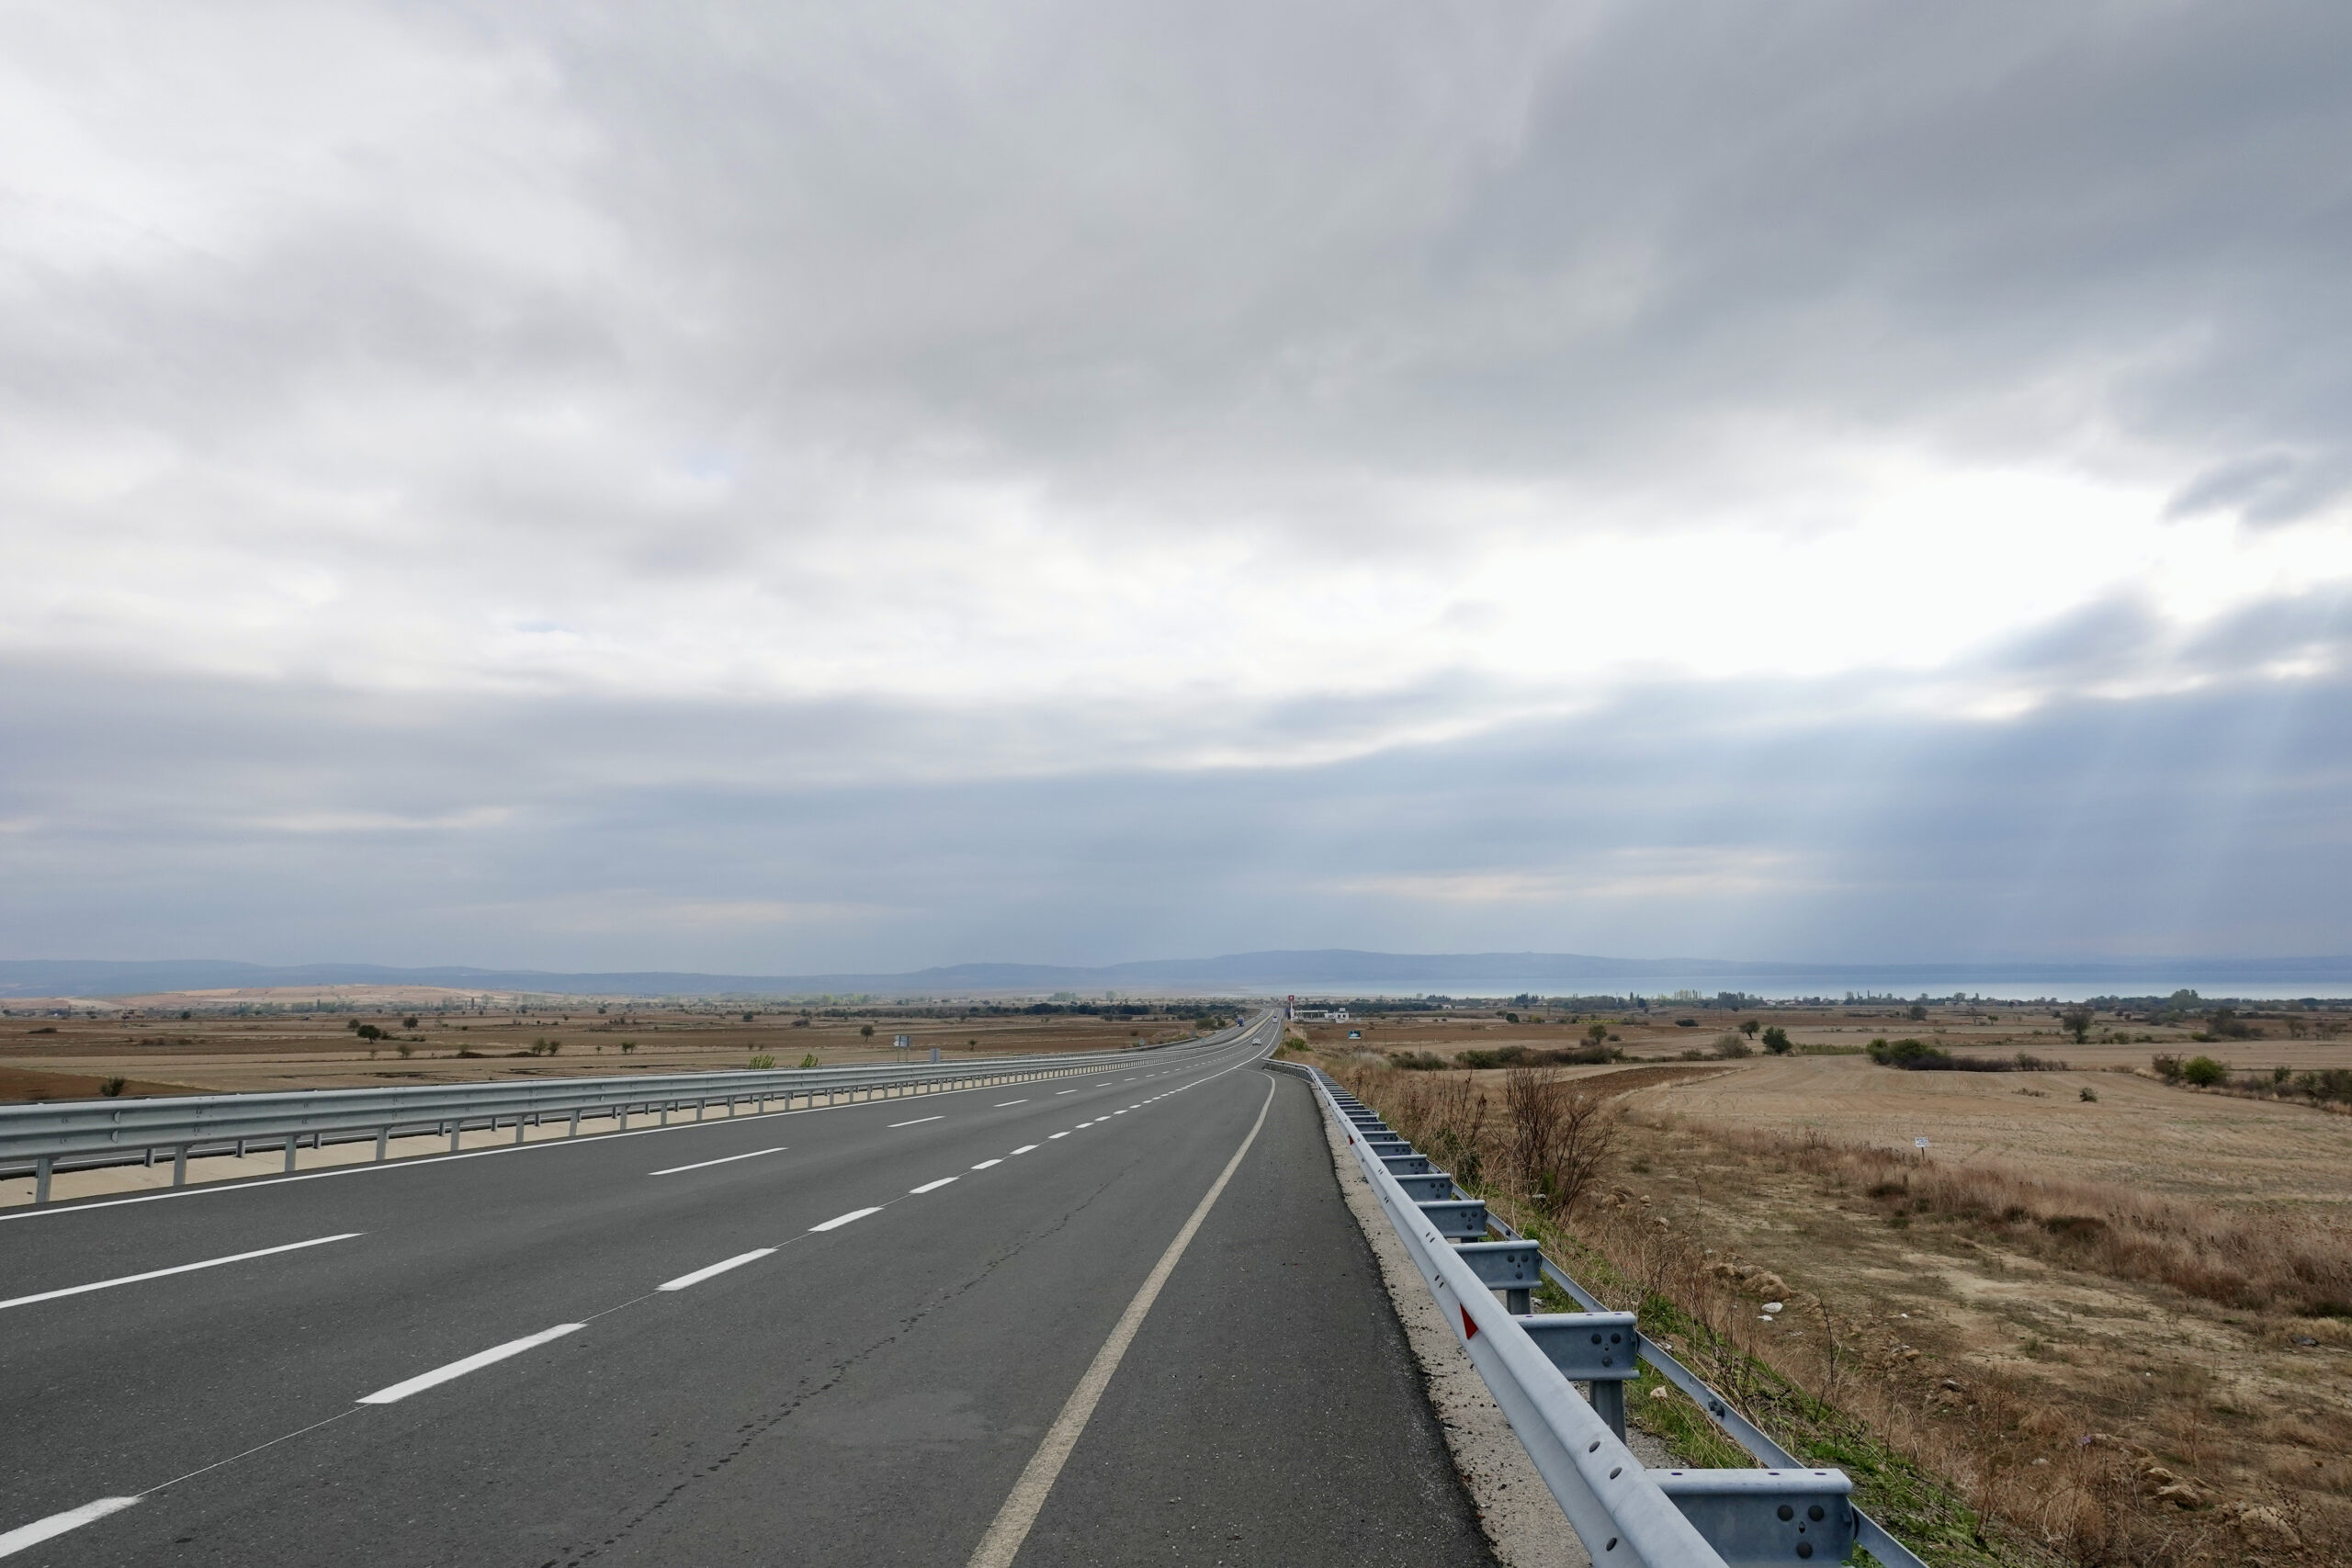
(707, 1164)
(40, 1530)
(699, 1275)
(918, 1122)
(838, 1221)
(182, 1268)
(472, 1363)
(1011, 1527)
(933, 1186)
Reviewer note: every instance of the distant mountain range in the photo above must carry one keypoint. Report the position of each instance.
(1321, 970)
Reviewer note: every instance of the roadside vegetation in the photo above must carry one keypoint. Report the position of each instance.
(2029, 1419)
(2326, 1086)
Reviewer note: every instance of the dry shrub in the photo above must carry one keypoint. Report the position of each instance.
(1557, 1138)
(2261, 1259)
(1445, 1115)
(2088, 1502)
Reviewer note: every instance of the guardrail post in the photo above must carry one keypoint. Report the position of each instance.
(701, 1106)
(384, 1137)
(41, 1168)
(575, 1122)
(1609, 1404)
(179, 1165)
(518, 1128)
(457, 1130)
(291, 1142)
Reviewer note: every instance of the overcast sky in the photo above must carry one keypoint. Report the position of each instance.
(778, 489)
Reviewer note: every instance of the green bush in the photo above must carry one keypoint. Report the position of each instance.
(1913, 1055)
(2204, 1071)
(111, 1087)
(761, 1061)
(1776, 1040)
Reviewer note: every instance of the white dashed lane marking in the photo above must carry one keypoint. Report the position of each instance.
(699, 1275)
(706, 1164)
(472, 1363)
(159, 1273)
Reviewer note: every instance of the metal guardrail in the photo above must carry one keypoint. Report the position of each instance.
(85, 1133)
(1783, 1513)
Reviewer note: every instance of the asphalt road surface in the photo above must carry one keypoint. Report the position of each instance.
(854, 1334)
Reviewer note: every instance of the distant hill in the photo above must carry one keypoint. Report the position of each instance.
(1318, 969)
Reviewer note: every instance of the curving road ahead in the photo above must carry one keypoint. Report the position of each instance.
(1124, 1319)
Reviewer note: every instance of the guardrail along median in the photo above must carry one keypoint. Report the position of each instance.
(86, 1133)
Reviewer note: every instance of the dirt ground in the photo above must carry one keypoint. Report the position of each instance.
(2139, 1133)
(2020, 1361)
(1979, 1347)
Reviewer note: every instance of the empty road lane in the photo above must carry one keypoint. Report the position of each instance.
(822, 1336)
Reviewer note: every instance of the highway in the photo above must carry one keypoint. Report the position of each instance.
(1119, 1318)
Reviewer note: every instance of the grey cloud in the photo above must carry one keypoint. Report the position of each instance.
(1749, 819)
(647, 300)
(1149, 243)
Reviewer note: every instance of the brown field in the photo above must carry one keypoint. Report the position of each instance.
(160, 1053)
(2121, 1326)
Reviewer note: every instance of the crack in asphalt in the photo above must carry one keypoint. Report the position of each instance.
(751, 1432)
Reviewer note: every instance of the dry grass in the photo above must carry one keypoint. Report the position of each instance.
(2259, 1258)
(2113, 1376)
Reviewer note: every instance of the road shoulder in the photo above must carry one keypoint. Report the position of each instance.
(1516, 1510)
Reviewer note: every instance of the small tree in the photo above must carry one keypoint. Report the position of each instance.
(2077, 1023)
(628, 1046)
(1777, 1041)
(1917, 1013)
(866, 1030)
(1748, 1027)
(408, 1022)
(1596, 1032)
